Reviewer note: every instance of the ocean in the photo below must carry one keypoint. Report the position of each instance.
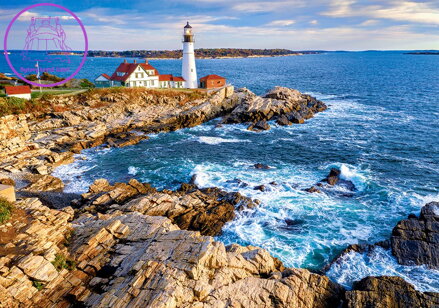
(381, 129)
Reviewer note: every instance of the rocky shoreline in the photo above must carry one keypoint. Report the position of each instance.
(130, 245)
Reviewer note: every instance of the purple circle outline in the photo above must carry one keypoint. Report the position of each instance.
(84, 57)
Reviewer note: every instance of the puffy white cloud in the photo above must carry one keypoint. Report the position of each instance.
(406, 11)
(284, 22)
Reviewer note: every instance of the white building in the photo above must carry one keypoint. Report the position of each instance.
(139, 75)
(18, 91)
(189, 70)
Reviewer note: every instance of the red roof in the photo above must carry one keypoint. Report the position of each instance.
(212, 77)
(166, 77)
(17, 90)
(169, 77)
(106, 76)
(128, 69)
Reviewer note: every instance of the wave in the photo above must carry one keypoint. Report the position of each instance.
(218, 140)
(354, 266)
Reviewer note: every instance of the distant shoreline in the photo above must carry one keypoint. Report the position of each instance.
(202, 53)
(423, 53)
(211, 58)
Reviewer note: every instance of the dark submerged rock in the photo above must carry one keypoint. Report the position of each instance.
(261, 166)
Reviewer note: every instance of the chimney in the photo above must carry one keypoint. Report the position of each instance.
(124, 60)
(135, 61)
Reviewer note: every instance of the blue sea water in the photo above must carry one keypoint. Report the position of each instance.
(381, 129)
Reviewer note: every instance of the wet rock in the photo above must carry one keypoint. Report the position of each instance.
(416, 240)
(283, 121)
(261, 166)
(333, 176)
(388, 291)
(285, 105)
(260, 187)
(295, 117)
(313, 189)
(259, 126)
(125, 139)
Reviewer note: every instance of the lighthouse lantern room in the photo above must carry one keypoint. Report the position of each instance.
(189, 70)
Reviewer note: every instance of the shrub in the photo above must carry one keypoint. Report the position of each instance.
(6, 208)
(38, 284)
(61, 262)
(85, 83)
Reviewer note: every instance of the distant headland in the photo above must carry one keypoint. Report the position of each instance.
(436, 53)
(202, 53)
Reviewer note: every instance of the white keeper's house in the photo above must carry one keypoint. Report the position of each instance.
(139, 75)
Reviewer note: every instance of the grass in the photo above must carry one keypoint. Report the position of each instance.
(62, 262)
(6, 208)
(38, 284)
(42, 102)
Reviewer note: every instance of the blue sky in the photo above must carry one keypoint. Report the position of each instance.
(292, 24)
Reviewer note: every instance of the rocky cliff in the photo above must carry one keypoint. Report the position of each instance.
(129, 245)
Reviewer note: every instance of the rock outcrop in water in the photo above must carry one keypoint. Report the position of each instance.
(388, 292)
(204, 210)
(416, 240)
(332, 179)
(285, 105)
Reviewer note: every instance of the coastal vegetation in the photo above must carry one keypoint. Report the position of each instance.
(61, 262)
(200, 53)
(45, 101)
(6, 209)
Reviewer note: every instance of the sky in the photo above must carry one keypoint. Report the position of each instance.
(290, 24)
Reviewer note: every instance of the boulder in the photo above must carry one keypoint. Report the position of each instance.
(259, 126)
(261, 166)
(416, 240)
(388, 292)
(283, 121)
(41, 183)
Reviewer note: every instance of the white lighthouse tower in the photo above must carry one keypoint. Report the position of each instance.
(189, 70)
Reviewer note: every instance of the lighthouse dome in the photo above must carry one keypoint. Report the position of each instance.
(188, 26)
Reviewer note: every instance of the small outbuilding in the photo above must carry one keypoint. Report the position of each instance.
(212, 81)
(103, 81)
(18, 91)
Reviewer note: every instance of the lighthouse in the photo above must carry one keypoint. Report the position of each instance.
(189, 70)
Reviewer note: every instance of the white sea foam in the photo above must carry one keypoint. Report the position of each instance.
(217, 140)
(133, 170)
(379, 262)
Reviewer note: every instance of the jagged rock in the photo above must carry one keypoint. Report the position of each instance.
(388, 292)
(287, 105)
(37, 268)
(258, 126)
(205, 210)
(283, 121)
(261, 166)
(44, 183)
(333, 176)
(332, 179)
(260, 187)
(416, 240)
(7, 181)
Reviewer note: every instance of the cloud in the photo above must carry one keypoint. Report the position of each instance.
(284, 22)
(266, 6)
(406, 11)
(369, 22)
(314, 22)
